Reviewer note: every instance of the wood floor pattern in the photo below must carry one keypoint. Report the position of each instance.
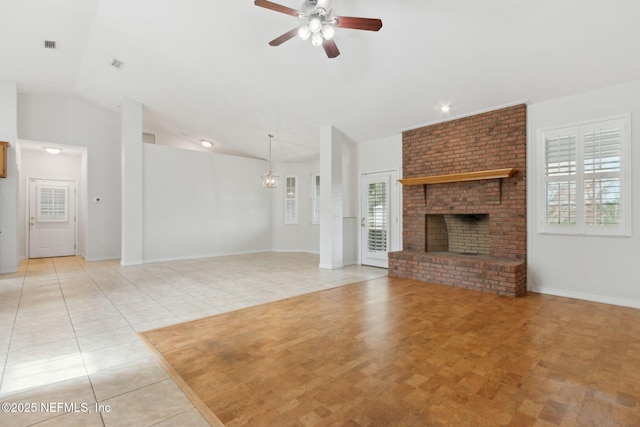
(391, 352)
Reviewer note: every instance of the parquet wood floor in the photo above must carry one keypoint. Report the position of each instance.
(399, 352)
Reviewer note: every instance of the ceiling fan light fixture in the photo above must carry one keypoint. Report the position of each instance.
(317, 39)
(315, 25)
(270, 180)
(328, 31)
(304, 32)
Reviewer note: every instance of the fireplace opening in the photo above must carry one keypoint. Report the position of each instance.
(462, 234)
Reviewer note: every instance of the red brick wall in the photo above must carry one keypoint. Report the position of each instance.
(487, 141)
(492, 140)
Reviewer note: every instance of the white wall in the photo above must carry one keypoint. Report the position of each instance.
(381, 155)
(604, 269)
(9, 185)
(303, 236)
(203, 204)
(39, 164)
(66, 119)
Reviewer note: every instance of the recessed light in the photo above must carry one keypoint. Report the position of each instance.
(206, 144)
(445, 108)
(52, 150)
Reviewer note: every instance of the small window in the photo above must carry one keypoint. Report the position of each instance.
(52, 204)
(291, 201)
(315, 199)
(585, 189)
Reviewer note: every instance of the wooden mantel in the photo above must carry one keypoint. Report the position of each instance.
(460, 177)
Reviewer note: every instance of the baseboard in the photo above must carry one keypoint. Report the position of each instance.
(202, 256)
(100, 258)
(584, 296)
(330, 266)
(294, 251)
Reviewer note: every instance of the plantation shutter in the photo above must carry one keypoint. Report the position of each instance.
(602, 162)
(585, 178)
(378, 220)
(52, 204)
(560, 176)
(291, 201)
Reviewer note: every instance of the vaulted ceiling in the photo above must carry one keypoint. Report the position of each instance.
(204, 69)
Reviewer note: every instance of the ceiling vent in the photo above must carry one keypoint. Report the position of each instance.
(148, 137)
(116, 63)
(49, 44)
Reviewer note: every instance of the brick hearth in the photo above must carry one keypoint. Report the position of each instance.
(487, 141)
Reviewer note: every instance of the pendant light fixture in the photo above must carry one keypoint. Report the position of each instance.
(269, 179)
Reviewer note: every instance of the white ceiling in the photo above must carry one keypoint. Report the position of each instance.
(204, 69)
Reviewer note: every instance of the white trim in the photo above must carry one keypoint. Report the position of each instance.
(462, 116)
(584, 296)
(331, 267)
(102, 258)
(202, 256)
(294, 251)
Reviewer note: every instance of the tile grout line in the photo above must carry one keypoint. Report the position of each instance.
(13, 327)
(84, 362)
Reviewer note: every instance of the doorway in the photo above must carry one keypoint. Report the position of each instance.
(379, 223)
(52, 218)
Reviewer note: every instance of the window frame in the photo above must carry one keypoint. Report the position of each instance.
(290, 198)
(580, 227)
(315, 198)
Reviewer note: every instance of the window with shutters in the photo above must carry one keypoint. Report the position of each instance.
(291, 201)
(52, 204)
(585, 188)
(315, 199)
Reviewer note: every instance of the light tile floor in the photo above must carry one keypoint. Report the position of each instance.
(69, 353)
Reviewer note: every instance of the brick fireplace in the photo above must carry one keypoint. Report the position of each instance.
(464, 203)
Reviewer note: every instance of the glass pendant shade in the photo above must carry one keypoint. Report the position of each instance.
(315, 25)
(328, 32)
(304, 32)
(316, 39)
(269, 179)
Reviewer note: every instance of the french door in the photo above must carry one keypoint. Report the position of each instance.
(379, 220)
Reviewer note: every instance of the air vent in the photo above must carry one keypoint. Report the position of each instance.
(116, 63)
(49, 44)
(148, 137)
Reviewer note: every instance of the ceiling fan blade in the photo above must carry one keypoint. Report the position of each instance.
(278, 8)
(330, 48)
(368, 24)
(283, 38)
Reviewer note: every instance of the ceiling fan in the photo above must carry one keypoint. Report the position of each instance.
(320, 25)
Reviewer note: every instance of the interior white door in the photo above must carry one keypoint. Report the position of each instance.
(378, 223)
(52, 218)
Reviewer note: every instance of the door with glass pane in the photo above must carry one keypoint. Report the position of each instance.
(378, 221)
(52, 218)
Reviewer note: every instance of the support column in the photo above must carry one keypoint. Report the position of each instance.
(9, 258)
(331, 233)
(132, 191)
